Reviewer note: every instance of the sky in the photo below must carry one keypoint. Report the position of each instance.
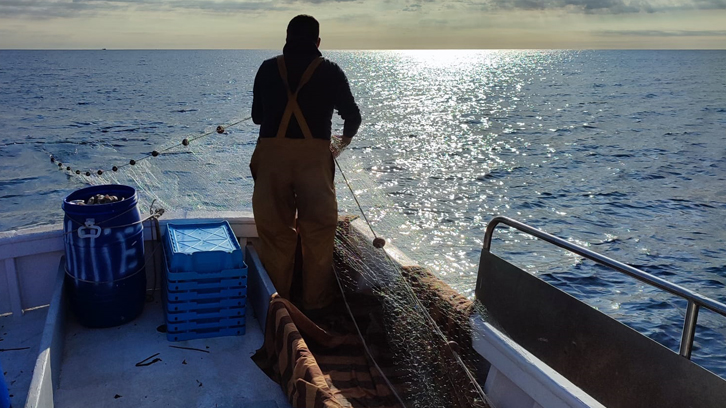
(365, 24)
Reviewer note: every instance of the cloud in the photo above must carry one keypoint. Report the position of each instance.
(660, 33)
(40, 9)
(358, 18)
(608, 6)
(320, 1)
(710, 4)
(75, 8)
(586, 6)
(222, 6)
(48, 9)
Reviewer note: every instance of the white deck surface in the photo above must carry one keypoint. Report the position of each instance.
(99, 368)
(18, 364)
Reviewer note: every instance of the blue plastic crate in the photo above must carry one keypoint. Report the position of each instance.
(212, 313)
(195, 276)
(200, 284)
(199, 294)
(200, 324)
(206, 333)
(198, 304)
(204, 247)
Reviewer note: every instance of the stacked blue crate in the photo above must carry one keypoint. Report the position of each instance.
(205, 288)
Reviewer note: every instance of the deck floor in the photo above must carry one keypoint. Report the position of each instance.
(99, 368)
(19, 333)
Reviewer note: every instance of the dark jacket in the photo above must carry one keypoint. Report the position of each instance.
(327, 90)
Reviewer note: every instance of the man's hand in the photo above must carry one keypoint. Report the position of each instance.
(338, 144)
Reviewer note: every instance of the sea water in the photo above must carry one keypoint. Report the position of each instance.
(623, 152)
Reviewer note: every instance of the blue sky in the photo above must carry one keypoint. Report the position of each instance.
(364, 24)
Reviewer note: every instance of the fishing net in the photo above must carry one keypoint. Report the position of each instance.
(413, 328)
(417, 325)
(204, 171)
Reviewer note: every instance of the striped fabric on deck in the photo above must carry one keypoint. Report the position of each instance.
(323, 363)
(337, 374)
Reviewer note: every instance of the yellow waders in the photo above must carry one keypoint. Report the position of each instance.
(296, 175)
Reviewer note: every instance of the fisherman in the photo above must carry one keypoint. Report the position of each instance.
(293, 101)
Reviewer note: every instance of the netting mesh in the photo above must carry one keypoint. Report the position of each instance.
(420, 326)
(207, 171)
(210, 172)
(427, 349)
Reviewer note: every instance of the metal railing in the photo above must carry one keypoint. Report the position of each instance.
(695, 300)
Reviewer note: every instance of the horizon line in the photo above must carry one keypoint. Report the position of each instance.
(366, 49)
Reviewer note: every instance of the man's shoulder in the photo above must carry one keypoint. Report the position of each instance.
(269, 62)
(332, 66)
(330, 63)
(268, 68)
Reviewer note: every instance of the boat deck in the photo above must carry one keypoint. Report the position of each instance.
(19, 342)
(100, 368)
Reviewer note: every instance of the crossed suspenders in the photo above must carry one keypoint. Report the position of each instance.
(292, 107)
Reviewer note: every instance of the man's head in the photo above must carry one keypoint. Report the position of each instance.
(303, 29)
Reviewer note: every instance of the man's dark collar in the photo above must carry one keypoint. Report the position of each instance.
(301, 49)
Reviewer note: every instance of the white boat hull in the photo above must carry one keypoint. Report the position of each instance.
(30, 278)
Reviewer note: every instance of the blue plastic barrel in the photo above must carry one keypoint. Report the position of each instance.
(4, 396)
(105, 265)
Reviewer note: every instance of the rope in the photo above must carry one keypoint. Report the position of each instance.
(363, 341)
(155, 153)
(159, 212)
(355, 197)
(156, 237)
(430, 320)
